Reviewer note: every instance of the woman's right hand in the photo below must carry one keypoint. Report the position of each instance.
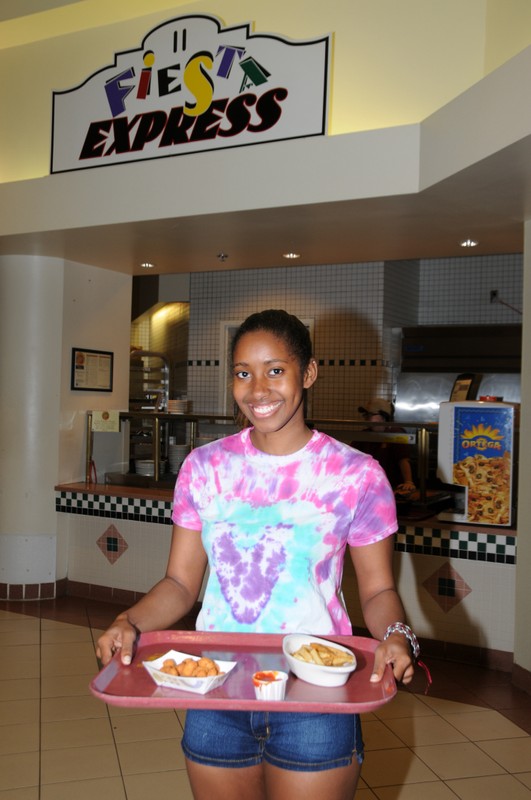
(120, 636)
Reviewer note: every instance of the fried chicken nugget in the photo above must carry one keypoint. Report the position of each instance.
(209, 665)
(187, 668)
(191, 667)
(169, 667)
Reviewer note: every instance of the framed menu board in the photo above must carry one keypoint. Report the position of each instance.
(92, 370)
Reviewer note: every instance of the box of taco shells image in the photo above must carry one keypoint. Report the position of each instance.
(476, 445)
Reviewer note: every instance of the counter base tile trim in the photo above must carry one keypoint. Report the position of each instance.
(100, 505)
(521, 678)
(500, 660)
(492, 548)
(121, 597)
(23, 592)
(107, 594)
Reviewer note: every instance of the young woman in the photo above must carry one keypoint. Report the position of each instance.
(272, 511)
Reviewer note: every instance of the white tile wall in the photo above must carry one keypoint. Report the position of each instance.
(456, 291)
(345, 303)
(355, 309)
(166, 331)
(141, 566)
(484, 618)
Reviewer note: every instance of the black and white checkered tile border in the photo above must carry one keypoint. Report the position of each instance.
(490, 547)
(102, 505)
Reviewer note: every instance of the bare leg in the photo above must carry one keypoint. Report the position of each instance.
(333, 784)
(220, 783)
(265, 781)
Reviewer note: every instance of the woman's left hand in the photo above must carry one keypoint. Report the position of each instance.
(395, 650)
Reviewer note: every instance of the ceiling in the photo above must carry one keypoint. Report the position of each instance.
(487, 202)
(12, 9)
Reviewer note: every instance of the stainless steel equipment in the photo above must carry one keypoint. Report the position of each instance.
(417, 406)
(419, 394)
(149, 381)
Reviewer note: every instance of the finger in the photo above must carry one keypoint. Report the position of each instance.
(378, 668)
(407, 676)
(105, 650)
(128, 648)
(399, 660)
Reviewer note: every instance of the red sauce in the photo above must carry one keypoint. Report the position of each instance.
(264, 677)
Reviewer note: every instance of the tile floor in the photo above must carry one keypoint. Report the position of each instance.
(469, 738)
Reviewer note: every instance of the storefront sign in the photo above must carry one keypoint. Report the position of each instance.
(192, 86)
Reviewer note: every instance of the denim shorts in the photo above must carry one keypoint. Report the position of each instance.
(296, 741)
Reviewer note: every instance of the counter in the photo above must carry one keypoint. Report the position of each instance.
(141, 504)
(428, 536)
(457, 581)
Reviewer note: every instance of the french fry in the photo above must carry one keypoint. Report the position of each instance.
(316, 656)
(323, 655)
(305, 654)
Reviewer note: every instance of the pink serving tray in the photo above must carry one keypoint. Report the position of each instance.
(119, 685)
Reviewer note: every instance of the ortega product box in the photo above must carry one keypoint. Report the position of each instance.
(476, 452)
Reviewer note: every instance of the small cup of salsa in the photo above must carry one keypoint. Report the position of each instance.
(270, 684)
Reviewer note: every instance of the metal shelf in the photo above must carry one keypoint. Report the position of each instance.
(149, 381)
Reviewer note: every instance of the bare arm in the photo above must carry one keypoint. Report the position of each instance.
(381, 607)
(168, 601)
(405, 470)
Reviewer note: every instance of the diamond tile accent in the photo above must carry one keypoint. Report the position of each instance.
(446, 587)
(112, 544)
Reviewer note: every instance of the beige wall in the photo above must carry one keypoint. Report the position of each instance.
(394, 63)
(508, 30)
(47, 307)
(30, 377)
(522, 647)
(96, 315)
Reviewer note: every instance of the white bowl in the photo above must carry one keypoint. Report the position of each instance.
(315, 673)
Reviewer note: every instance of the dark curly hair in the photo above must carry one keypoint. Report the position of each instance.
(287, 327)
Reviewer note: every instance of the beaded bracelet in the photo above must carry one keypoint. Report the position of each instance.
(401, 627)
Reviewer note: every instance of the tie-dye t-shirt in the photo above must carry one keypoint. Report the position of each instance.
(275, 529)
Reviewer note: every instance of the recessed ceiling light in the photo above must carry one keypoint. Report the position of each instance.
(147, 265)
(291, 254)
(469, 243)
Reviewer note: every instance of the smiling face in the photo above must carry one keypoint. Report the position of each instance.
(268, 386)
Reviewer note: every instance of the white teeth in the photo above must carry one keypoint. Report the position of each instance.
(264, 410)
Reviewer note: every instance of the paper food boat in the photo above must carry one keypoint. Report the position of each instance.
(197, 685)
